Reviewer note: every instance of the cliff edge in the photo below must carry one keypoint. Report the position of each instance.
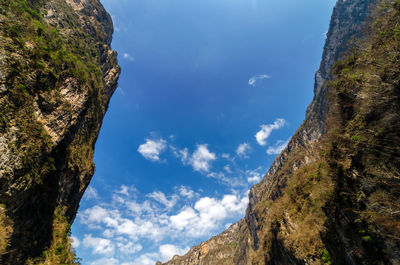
(57, 74)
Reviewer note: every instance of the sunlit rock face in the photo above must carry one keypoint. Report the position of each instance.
(316, 203)
(57, 75)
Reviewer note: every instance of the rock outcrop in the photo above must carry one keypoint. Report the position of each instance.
(57, 74)
(331, 197)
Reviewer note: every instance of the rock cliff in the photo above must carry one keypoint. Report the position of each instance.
(332, 196)
(57, 74)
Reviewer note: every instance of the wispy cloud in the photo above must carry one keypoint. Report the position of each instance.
(277, 148)
(254, 79)
(152, 149)
(266, 130)
(243, 150)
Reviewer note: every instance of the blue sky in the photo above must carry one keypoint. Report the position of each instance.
(210, 93)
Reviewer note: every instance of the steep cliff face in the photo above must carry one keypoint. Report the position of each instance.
(332, 196)
(57, 74)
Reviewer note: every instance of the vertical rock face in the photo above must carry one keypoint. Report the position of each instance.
(57, 75)
(318, 203)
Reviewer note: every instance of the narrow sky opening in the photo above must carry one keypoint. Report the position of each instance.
(210, 93)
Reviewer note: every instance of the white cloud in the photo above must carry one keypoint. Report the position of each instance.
(266, 130)
(126, 190)
(128, 57)
(254, 179)
(97, 214)
(254, 79)
(152, 149)
(161, 198)
(75, 242)
(98, 245)
(277, 148)
(243, 149)
(127, 247)
(123, 227)
(187, 192)
(183, 218)
(167, 251)
(254, 176)
(138, 208)
(200, 160)
(208, 214)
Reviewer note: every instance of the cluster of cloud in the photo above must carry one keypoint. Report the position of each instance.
(202, 158)
(122, 230)
(121, 227)
(254, 79)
